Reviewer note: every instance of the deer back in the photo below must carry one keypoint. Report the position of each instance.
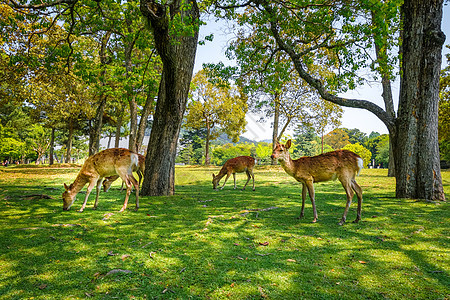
(327, 166)
(107, 162)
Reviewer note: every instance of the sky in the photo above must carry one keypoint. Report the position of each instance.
(214, 52)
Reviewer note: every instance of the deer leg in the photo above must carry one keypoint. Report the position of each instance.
(140, 175)
(248, 178)
(234, 179)
(358, 191)
(304, 190)
(350, 194)
(88, 191)
(253, 177)
(309, 184)
(99, 186)
(226, 178)
(135, 183)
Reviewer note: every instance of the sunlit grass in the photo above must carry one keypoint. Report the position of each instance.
(229, 244)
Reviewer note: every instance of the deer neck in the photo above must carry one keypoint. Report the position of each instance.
(78, 184)
(287, 164)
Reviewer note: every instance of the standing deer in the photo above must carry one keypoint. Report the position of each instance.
(109, 162)
(235, 165)
(341, 164)
(139, 169)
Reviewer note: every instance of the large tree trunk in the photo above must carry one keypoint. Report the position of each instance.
(177, 52)
(418, 172)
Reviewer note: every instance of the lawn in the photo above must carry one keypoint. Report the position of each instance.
(229, 244)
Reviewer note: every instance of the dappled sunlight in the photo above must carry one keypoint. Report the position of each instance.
(229, 243)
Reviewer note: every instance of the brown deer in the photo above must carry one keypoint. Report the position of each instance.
(235, 165)
(139, 169)
(341, 164)
(109, 162)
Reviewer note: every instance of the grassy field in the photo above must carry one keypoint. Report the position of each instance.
(229, 244)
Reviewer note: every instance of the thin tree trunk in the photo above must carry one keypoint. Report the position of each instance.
(147, 109)
(208, 137)
(52, 147)
(119, 126)
(69, 142)
(133, 123)
(96, 129)
(276, 120)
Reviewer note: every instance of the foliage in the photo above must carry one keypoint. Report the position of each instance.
(337, 138)
(263, 152)
(205, 244)
(361, 151)
(222, 153)
(215, 105)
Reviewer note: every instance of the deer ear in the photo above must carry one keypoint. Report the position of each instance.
(66, 187)
(288, 144)
(213, 175)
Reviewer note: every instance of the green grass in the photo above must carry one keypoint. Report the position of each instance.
(229, 244)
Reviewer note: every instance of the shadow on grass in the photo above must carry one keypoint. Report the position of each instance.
(235, 244)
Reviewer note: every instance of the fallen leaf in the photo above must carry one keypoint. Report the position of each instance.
(291, 260)
(232, 285)
(236, 244)
(362, 262)
(264, 243)
(42, 286)
(111, 253)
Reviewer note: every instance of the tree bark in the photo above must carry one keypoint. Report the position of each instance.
(276, 120)
(69, 142)
(208, 137)
(418, 172)
(52, 147)
(133, 123)
(119, 126)
(177, 52)
(148, 107)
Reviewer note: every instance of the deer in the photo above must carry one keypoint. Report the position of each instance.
(139, 169)
(343, 165)
(235, 165)
(109, 162)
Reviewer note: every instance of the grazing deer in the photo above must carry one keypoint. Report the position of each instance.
(235, 165)
(341, 164)
(109, 162)
(139, 169)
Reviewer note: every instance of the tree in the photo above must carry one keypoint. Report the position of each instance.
(361, 151)
(337, 139)
(217, 108)
(175, 30)
(304, 30)
(356, 136)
